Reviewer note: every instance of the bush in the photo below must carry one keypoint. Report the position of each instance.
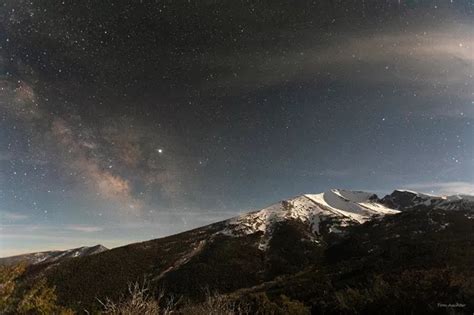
(17, 297)
(216, 304)
(139, 301)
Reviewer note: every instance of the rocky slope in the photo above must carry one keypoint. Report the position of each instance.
(409, 263)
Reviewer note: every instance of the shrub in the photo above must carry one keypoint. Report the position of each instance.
(216, 304)
(139, 301)
(17, 297)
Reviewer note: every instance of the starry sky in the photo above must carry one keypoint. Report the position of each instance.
(123, 121)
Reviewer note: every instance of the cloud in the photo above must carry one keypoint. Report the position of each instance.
(12, 216)
(444, 188)
(433, 62)
(84, 228)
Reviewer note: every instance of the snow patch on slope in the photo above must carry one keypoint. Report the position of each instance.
(356, 205)
(339, 208)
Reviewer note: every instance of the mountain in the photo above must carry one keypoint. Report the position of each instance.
(408, 200)
(49, 257)
(312, 248)
(325, 213)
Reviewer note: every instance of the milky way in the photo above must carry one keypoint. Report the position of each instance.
(129, 120)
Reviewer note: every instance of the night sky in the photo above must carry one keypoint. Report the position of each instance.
(123, 121)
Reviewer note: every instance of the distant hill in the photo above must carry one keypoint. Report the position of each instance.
(52, 256)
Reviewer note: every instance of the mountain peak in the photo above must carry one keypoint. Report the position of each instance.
(333, 209)
(98, 247)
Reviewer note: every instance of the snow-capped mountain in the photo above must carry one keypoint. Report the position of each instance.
(52, 256)
(408, 200)
(332, 210)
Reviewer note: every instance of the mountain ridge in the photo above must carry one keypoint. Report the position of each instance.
(52, 255)
(281, 240)
(368, 204)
